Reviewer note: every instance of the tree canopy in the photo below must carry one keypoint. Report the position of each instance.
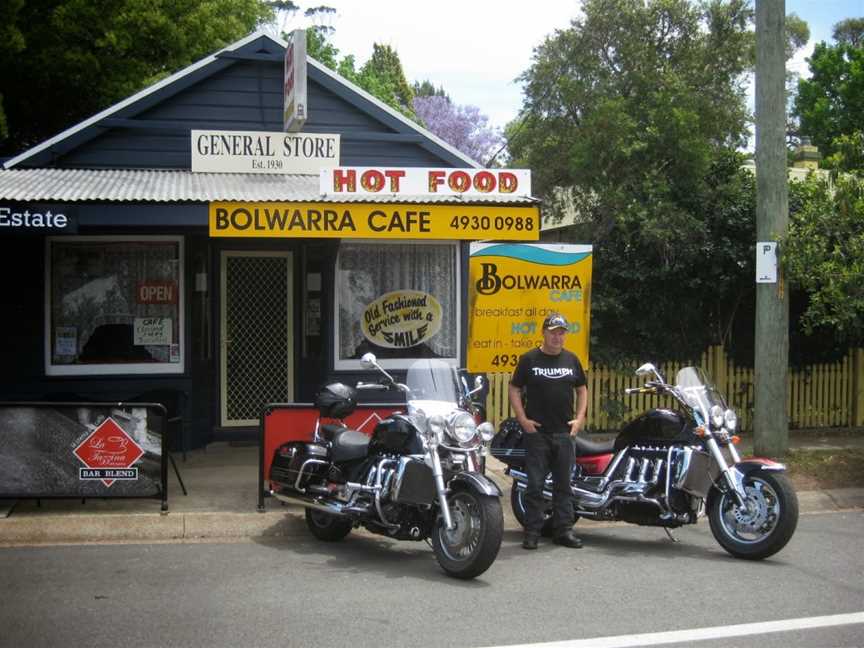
(463, 127)
(637, 108)
(64, 60)
(830, 104)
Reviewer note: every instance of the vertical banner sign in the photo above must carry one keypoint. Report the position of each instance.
(512, 287)
(294, 115)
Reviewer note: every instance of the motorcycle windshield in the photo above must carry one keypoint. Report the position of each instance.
(698, 391)
(433, 385)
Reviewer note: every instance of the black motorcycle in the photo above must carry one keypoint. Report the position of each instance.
(666, 467)
(419, 476)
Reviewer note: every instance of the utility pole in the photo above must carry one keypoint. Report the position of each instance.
(770, 422)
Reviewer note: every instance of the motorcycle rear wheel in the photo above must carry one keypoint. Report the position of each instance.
(517, 504)
(470, 548)
(766, 524)
(326, 526)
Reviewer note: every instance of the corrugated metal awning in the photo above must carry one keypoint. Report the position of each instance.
(161, 186)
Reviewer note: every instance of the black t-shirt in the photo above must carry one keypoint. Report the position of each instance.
(548, 382)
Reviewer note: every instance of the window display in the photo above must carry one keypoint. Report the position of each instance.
(397, 300)
(115, 305)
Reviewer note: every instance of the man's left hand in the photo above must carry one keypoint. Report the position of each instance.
(576, 425)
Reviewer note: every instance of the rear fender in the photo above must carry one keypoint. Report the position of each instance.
(476, 482)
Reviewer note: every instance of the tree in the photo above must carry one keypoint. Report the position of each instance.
(463, 127)
(830, 104)
(640, 106)
(382, 75)
(80, 57)
(823, 254)
(850, 32)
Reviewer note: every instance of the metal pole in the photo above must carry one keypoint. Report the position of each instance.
(770, 421)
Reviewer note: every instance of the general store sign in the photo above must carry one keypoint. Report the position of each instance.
(511, 289)
(376, 220)
(498, 183)
(263, 152)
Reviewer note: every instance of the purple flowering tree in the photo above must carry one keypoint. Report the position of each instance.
(463, 127)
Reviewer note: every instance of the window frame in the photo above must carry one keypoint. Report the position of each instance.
(105, 369)
(397, 363)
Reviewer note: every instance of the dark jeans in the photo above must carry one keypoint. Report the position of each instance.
(547, 453)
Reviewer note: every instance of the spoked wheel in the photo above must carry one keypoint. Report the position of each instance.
(326, 526)
(517, 503)
(470, 547)
(765, 523)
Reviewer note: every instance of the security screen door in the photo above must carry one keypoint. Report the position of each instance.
(256, 335)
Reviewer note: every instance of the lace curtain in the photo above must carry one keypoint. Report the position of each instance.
(365, 271)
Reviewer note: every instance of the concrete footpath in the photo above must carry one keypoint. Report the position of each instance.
(222, 482)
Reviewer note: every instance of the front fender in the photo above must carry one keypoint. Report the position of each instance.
(740, 471)
(753, 464)
(474, 481)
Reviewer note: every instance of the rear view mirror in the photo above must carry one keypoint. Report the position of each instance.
(648, 369)
(368, 361)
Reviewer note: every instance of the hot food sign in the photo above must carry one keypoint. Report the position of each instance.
(477, 183)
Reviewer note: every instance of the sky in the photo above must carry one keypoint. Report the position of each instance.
(475, 49)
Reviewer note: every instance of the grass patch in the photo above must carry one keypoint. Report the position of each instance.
(816, 469)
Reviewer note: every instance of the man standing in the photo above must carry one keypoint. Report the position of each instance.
(549, 376)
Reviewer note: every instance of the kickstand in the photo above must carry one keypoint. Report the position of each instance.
(671, 536)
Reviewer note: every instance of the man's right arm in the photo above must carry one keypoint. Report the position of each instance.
(515, 394)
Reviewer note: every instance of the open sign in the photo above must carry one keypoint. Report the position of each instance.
(156, 292)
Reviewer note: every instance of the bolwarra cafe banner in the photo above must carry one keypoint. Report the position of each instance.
(512, 287)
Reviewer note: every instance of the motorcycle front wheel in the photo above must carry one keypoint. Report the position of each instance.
(470, 547)
(764, 525)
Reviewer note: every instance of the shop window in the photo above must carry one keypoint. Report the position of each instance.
(398, 300)
(115, 305)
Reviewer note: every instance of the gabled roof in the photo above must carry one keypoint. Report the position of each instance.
(88, 129)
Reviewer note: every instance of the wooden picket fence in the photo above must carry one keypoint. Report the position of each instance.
(824, 395)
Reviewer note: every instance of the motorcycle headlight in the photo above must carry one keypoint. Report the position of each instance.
(435, 426)
(487, 431)
(717, 417)
(731, 420)
(464, 428)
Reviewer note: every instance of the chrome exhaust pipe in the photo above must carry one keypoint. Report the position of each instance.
(334, 508)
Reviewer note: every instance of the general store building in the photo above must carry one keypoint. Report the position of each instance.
(127, 273)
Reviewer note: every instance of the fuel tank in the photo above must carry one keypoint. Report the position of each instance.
(395, 435)
(657, 427)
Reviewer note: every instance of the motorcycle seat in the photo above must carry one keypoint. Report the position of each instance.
(329, 430)
(585, 448)
(348, 444)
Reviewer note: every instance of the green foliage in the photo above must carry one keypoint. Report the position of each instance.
(639, 107)
(850, 32)
(427, 89)
(830, 104)
(381, 76)
(80, 56)
(823, 254)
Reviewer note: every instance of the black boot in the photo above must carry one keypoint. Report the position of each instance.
(530, 541)
(567, 539)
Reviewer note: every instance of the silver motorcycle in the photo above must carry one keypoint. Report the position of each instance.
(418, 477)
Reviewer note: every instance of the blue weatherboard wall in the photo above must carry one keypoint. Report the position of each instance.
(241, 90)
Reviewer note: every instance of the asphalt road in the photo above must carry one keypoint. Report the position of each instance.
(368, 591)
